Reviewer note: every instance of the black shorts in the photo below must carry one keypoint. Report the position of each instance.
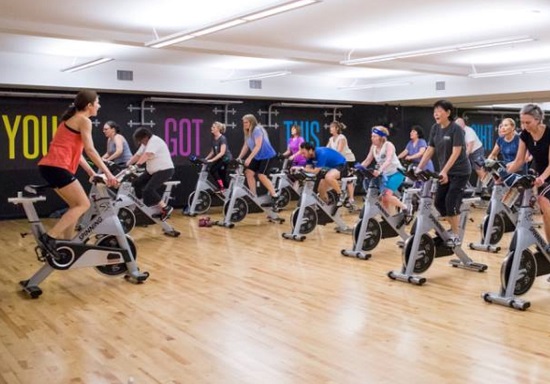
(544, 190)
(260, 166)
(55, 176)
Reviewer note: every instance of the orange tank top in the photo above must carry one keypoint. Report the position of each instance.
(65, 149)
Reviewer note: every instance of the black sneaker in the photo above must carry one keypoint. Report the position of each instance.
(49, 244)
(166, 212)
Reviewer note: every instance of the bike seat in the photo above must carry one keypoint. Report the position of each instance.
(37, 189)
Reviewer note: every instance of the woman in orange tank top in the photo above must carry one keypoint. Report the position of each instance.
(58, 167)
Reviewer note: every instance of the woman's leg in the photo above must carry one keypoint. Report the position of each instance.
(75, 196)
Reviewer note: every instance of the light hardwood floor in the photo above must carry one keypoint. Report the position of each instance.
(244, 305)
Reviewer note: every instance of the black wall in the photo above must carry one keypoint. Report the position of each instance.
(28, 123)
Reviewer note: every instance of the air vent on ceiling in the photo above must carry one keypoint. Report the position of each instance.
(255, 84)
(439, 85)
(125, 75)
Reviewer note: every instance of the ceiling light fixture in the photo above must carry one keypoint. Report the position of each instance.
(183, 36)
(258, 76)
(510, 72)
(439, 50)
(87, 64)
(376, 85)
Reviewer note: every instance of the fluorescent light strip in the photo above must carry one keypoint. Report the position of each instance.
(88, 64)
(440, 50)
(511, 72)
(183, 36)
(278, 9)
(376, 85)
(258, 76)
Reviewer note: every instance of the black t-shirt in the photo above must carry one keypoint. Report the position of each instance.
(443, 140)
(538, 149)
(216, 146)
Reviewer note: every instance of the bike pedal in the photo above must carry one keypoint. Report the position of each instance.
(40, 254)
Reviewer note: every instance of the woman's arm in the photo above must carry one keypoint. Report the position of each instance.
(85, 126)
(257, 145)
(494, 153)
(219, 155)
(118, 148)
(513, 166)
(244, 149)
(403, 154)
(417, 155)
(342, 143)
(428, 153)
(369, 158)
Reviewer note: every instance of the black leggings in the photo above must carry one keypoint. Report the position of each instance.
(218, 171)
(448, 197)
(147, 185)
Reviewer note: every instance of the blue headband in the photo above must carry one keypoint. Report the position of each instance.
(379, 132)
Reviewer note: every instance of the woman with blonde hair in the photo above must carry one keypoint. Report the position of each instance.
(219, 156)
(260, 156)
(383, 152)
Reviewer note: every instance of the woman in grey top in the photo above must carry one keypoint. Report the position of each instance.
(447, 141)
(118, 150)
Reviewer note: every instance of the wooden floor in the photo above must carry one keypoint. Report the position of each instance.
(243, 305)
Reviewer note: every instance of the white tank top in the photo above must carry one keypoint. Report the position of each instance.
(346, 152)
(381, 157)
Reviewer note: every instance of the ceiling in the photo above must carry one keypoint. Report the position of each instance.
(39, 38)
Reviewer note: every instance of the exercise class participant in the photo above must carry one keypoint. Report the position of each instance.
(447, 142)
(59, 166)
(159, 168)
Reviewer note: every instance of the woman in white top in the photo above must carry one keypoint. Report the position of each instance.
(383, 152)
(339, 142)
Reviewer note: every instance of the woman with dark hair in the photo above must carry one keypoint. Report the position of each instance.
(159, 168)
(415, 147)
(448, 143)
(59, 166)
(293, 147)
(535, 138)
(118, 150)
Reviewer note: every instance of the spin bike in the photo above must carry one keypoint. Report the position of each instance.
(113, 253)
(368, 231)
(240, 200)
(285, 185)
(312, 210)
(200, 200)
(421, 248)
(501, 213)
(126, 203)
(521, 265)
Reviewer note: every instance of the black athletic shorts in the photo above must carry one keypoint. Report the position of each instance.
(55, 176)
